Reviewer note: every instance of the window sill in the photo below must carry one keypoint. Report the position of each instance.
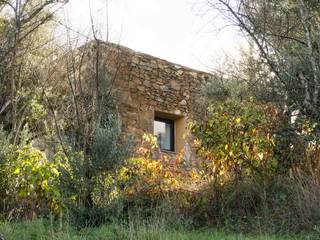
(168, 151)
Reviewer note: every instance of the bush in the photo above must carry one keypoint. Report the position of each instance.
(236, 139)
(6, 152)
(86, 183)
(33, 183)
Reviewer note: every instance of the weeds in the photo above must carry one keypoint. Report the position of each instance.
(134, 230)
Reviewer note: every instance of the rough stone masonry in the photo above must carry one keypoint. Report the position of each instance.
(146, 87)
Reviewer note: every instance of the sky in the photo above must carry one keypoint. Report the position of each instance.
(180, 31)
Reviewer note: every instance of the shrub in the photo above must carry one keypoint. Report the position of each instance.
(29, 181)
(6, 152)
(145, 175)
(236, 139)
(33, 183)
(86, 183)
(153, 185)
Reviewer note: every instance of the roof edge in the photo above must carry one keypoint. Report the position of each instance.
(127, 49)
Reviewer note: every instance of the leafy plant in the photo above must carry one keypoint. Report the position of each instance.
(236, 139)
(33, 183)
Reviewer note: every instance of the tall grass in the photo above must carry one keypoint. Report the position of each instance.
(139, 230)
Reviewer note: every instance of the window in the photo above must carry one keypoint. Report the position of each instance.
(164, 131)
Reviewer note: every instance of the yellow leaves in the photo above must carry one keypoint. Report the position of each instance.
(194, 174)
(230, 153)
(254, 131)
(222, 172)
(17, 171)
(197, 142)
(167, 175)
(151, 139)
(150, 175)
(55, 171)
(33, 176)
(148, 145)
(174, 182)
(235, 136)
(44, 184)
(260, 155)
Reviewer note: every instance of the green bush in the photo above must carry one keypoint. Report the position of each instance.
(236, 139)
(85, 182)
(33, 183)
(6, 152)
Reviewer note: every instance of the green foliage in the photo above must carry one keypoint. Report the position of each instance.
(85, 169)
(237, 138)
(85, 178)
(136, 229)
(33, 183)
(6, 152)
(108, 148)
(216, 90)
(5, 147)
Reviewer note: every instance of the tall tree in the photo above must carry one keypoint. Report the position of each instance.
(287, 35)
(21, 43)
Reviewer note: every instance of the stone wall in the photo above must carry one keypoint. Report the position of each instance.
(144, 85)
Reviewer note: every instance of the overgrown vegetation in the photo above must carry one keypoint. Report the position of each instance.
(65, 159)
(134, 230)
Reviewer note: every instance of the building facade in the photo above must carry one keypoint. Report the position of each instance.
(153, 95)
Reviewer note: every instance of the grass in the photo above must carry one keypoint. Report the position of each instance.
(44, 230)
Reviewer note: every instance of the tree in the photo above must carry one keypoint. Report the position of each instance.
(21, 47)
(236, 141)
(286, 35)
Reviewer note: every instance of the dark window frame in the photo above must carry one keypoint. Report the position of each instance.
(172, 132)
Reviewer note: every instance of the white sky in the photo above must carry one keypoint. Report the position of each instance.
(175, 30)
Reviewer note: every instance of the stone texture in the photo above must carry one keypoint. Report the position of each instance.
(146, 85)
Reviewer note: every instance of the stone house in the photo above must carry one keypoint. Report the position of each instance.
(153, 95)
